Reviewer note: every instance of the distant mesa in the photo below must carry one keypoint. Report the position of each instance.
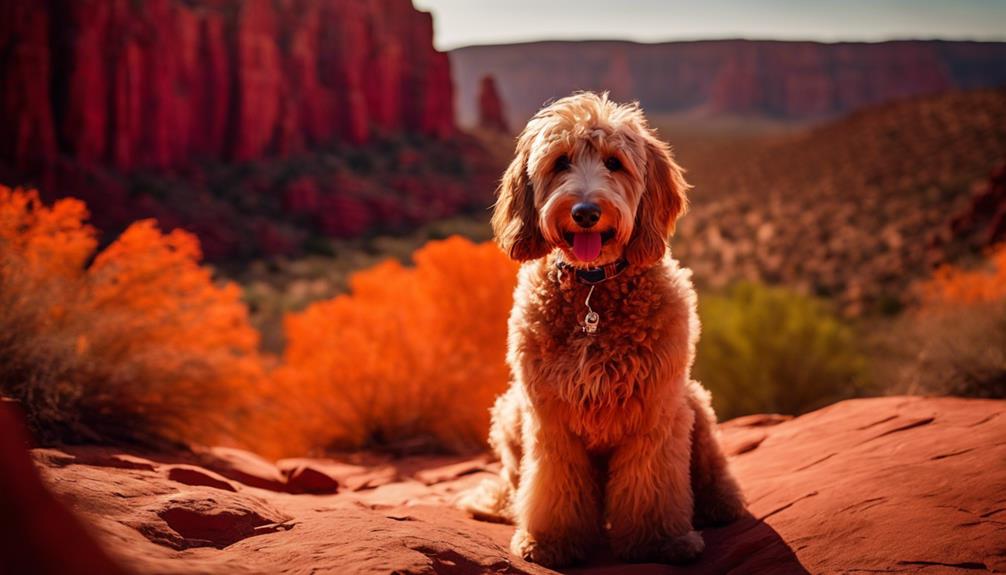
(792, 80)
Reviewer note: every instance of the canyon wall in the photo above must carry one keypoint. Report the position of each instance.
(162, 83)
(790, 80)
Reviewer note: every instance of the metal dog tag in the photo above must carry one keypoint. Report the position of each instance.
(590, 320)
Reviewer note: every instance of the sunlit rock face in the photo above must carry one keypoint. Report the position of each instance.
(202, 113)
(162, 83)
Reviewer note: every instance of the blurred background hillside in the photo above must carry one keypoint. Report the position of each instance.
(850, 192)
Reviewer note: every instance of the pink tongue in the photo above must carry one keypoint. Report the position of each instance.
(587, 246)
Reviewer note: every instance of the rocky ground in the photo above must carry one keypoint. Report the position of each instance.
(899, 484)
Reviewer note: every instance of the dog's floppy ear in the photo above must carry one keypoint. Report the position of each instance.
(515, 219)
(663, 201)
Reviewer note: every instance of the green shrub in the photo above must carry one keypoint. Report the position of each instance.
(765, 349)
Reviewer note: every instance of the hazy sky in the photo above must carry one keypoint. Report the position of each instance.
(465, 22)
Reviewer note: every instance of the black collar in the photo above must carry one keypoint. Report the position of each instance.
(592, 276)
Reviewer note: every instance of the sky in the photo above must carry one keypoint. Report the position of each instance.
(467, 22)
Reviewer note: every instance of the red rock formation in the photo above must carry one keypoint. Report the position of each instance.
(28, 138)
(904, 484)
(160, 83)
(38, 534)
(785, 79)
(808, 79)
(491, 115)
(258, 87)
(429, 105)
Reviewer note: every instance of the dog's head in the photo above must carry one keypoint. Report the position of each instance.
(589, 177)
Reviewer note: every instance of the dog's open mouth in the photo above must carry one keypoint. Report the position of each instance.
(587, 245)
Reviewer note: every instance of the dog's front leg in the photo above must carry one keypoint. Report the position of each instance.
(649, 494)
(558, 506)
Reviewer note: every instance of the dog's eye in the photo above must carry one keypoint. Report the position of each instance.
(562, 163)
(613, 164)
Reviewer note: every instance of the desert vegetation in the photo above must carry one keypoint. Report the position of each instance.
(411, 359)
(954, 341)
(767, 349)
(139, 342)
(133, 342)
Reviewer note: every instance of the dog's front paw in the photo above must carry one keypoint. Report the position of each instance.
(548, 554)
(682, 549)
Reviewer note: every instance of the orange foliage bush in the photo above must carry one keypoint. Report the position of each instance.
(954, 285)
(137, 344)
(412, 359)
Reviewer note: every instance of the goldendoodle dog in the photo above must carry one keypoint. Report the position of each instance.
(602, 432)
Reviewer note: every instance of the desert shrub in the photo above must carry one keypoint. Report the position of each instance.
(765, 349)
(955, 341)
(137, 343)
(946, 349)
(954, 285)
(411, 359)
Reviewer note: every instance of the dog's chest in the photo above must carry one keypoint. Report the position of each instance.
(601, 380)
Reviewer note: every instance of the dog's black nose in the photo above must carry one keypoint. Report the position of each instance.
(586, 214)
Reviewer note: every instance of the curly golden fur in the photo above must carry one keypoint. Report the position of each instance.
(601, 434)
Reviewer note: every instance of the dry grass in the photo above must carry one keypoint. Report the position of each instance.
(947, 350)
(955, 342)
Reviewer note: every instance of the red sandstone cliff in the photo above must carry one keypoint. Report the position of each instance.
(257, 124)
(157, 84)
(783, 79)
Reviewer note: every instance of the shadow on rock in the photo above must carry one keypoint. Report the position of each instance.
(748, 546)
